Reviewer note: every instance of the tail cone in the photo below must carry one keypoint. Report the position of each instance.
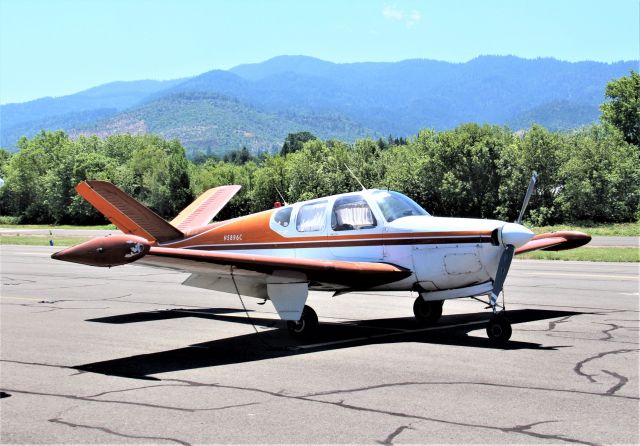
(106, 251)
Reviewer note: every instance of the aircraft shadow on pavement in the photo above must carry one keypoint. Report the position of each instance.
(277, 343)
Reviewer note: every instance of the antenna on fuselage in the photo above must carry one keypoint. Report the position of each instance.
(355, 177)
(283, 200)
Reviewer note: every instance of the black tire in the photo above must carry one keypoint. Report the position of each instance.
(306, 327)
(499, 330)
(427, 311)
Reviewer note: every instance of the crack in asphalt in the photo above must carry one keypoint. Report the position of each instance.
(52, 308)
(557, 334)
(130, 403)
(518, 429)
(473, 383)
(16, 281)
(607, 333)
(119, 434)
(104, 299)
(554, 324)
(578, 367)
(395, 433)
(134, 388)
(622, 381)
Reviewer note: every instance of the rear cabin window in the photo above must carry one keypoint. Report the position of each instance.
(350, 213)
(283, 217)
(311, 217)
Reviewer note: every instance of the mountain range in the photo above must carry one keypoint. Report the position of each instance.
(256, 105)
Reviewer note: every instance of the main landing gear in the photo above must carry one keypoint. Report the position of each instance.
(306, 327)
(427, 312)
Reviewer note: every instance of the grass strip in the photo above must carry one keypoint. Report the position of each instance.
(610, 229)
(600, 254)
(12, 226)
(34, 240)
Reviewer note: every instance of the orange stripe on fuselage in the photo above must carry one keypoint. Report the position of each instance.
(253, 230)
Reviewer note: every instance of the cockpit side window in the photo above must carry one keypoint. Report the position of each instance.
(394, 205)
(283, 217)
(311, 217)
(350, 213)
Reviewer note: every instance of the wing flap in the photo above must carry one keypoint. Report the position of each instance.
(555, 241)
(350, 274)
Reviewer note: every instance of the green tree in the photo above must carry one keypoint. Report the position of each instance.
(538, 150)
(270, 177)
(295, 141)
(459, 169)
(33, 188)
(601, 177)
(622, 109)
(240, 156)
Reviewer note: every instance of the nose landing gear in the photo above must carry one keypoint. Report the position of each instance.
(499, 329)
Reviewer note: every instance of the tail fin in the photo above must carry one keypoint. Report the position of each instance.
(205, 207)
(129, 215)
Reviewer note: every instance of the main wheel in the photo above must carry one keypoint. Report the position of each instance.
(427, 311)
(499, 329)
(306, 326)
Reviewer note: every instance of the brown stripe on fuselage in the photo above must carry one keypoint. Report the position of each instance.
(345, 243)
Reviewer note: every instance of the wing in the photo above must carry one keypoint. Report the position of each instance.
(349, 274)
(555, 241)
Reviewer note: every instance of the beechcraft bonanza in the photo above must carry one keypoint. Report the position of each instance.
(374, 240)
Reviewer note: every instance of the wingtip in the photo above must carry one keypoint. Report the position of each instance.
(574, 239)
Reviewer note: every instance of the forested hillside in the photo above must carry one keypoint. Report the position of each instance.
(212, 123)
(257, 105)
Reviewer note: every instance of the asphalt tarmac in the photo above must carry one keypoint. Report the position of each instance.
(128, 355)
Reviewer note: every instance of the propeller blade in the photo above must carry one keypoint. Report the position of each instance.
(501, 274)
(525, 203)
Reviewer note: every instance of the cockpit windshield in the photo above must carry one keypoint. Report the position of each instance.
(395, 205)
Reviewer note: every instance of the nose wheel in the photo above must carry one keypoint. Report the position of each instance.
(306, 327)
(499, 329)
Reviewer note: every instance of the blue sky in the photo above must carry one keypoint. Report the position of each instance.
(58, 47)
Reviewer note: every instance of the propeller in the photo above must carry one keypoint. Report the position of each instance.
(527, 196)
(511, 234)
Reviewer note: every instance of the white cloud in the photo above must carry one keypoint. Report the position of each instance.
(393, 13)
(409, 18)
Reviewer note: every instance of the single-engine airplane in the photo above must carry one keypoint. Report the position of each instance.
(374, 240)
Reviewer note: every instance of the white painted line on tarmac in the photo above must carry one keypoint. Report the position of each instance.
(36, 299)
(603, 276)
